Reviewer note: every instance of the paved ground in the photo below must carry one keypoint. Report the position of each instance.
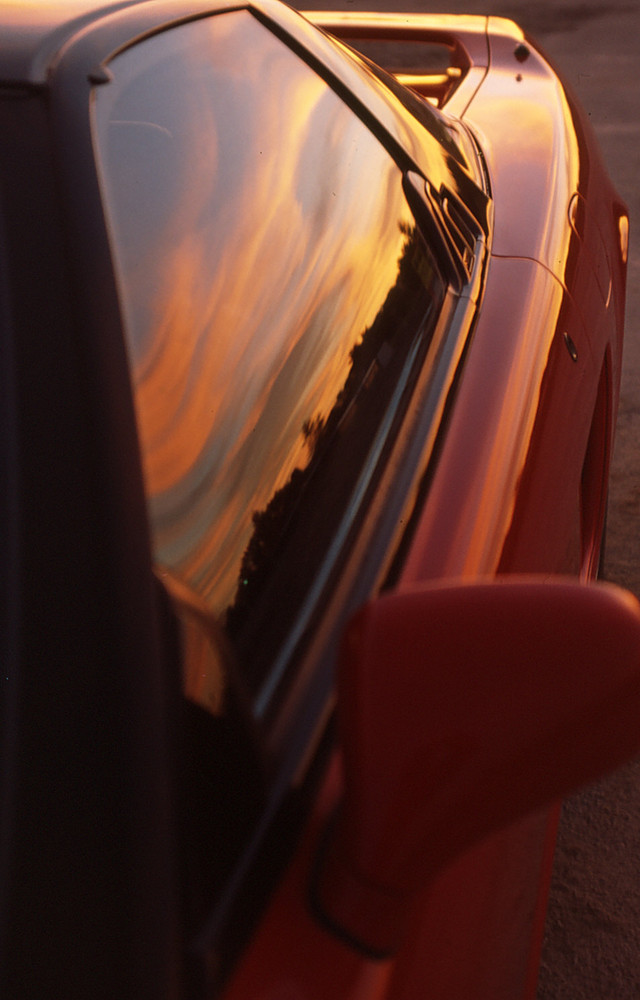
(592, 950)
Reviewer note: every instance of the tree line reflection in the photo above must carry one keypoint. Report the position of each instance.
(293, 532)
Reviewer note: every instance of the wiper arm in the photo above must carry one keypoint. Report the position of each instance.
(440, 232)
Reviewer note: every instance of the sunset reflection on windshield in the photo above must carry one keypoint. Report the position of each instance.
(258, 240)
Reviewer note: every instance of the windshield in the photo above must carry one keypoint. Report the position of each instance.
(276, 296)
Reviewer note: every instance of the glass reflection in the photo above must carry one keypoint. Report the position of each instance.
(273, 287)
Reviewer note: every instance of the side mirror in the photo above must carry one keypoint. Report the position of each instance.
(462, 708)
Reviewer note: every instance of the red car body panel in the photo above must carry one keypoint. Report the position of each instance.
(547, 329)
(478, 929)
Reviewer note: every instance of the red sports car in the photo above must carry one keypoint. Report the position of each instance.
(309, 372)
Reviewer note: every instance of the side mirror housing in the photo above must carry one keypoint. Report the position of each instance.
(461, 708)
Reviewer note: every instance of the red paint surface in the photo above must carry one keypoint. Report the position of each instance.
(506, 497)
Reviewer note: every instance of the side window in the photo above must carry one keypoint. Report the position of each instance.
(277, 301)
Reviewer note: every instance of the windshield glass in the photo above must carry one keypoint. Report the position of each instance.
(276, 297)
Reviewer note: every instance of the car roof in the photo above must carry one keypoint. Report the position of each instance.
(35, 31)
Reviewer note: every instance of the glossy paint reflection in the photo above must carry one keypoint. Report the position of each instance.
(527, 469)
(533, 155)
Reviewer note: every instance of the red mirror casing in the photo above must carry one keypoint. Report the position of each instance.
(462, 708)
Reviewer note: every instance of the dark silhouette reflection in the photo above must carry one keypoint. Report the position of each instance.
(293, 533)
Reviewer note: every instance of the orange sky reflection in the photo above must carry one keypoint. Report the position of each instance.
(244, 308)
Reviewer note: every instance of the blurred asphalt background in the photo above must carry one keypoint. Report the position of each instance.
(592, 947)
